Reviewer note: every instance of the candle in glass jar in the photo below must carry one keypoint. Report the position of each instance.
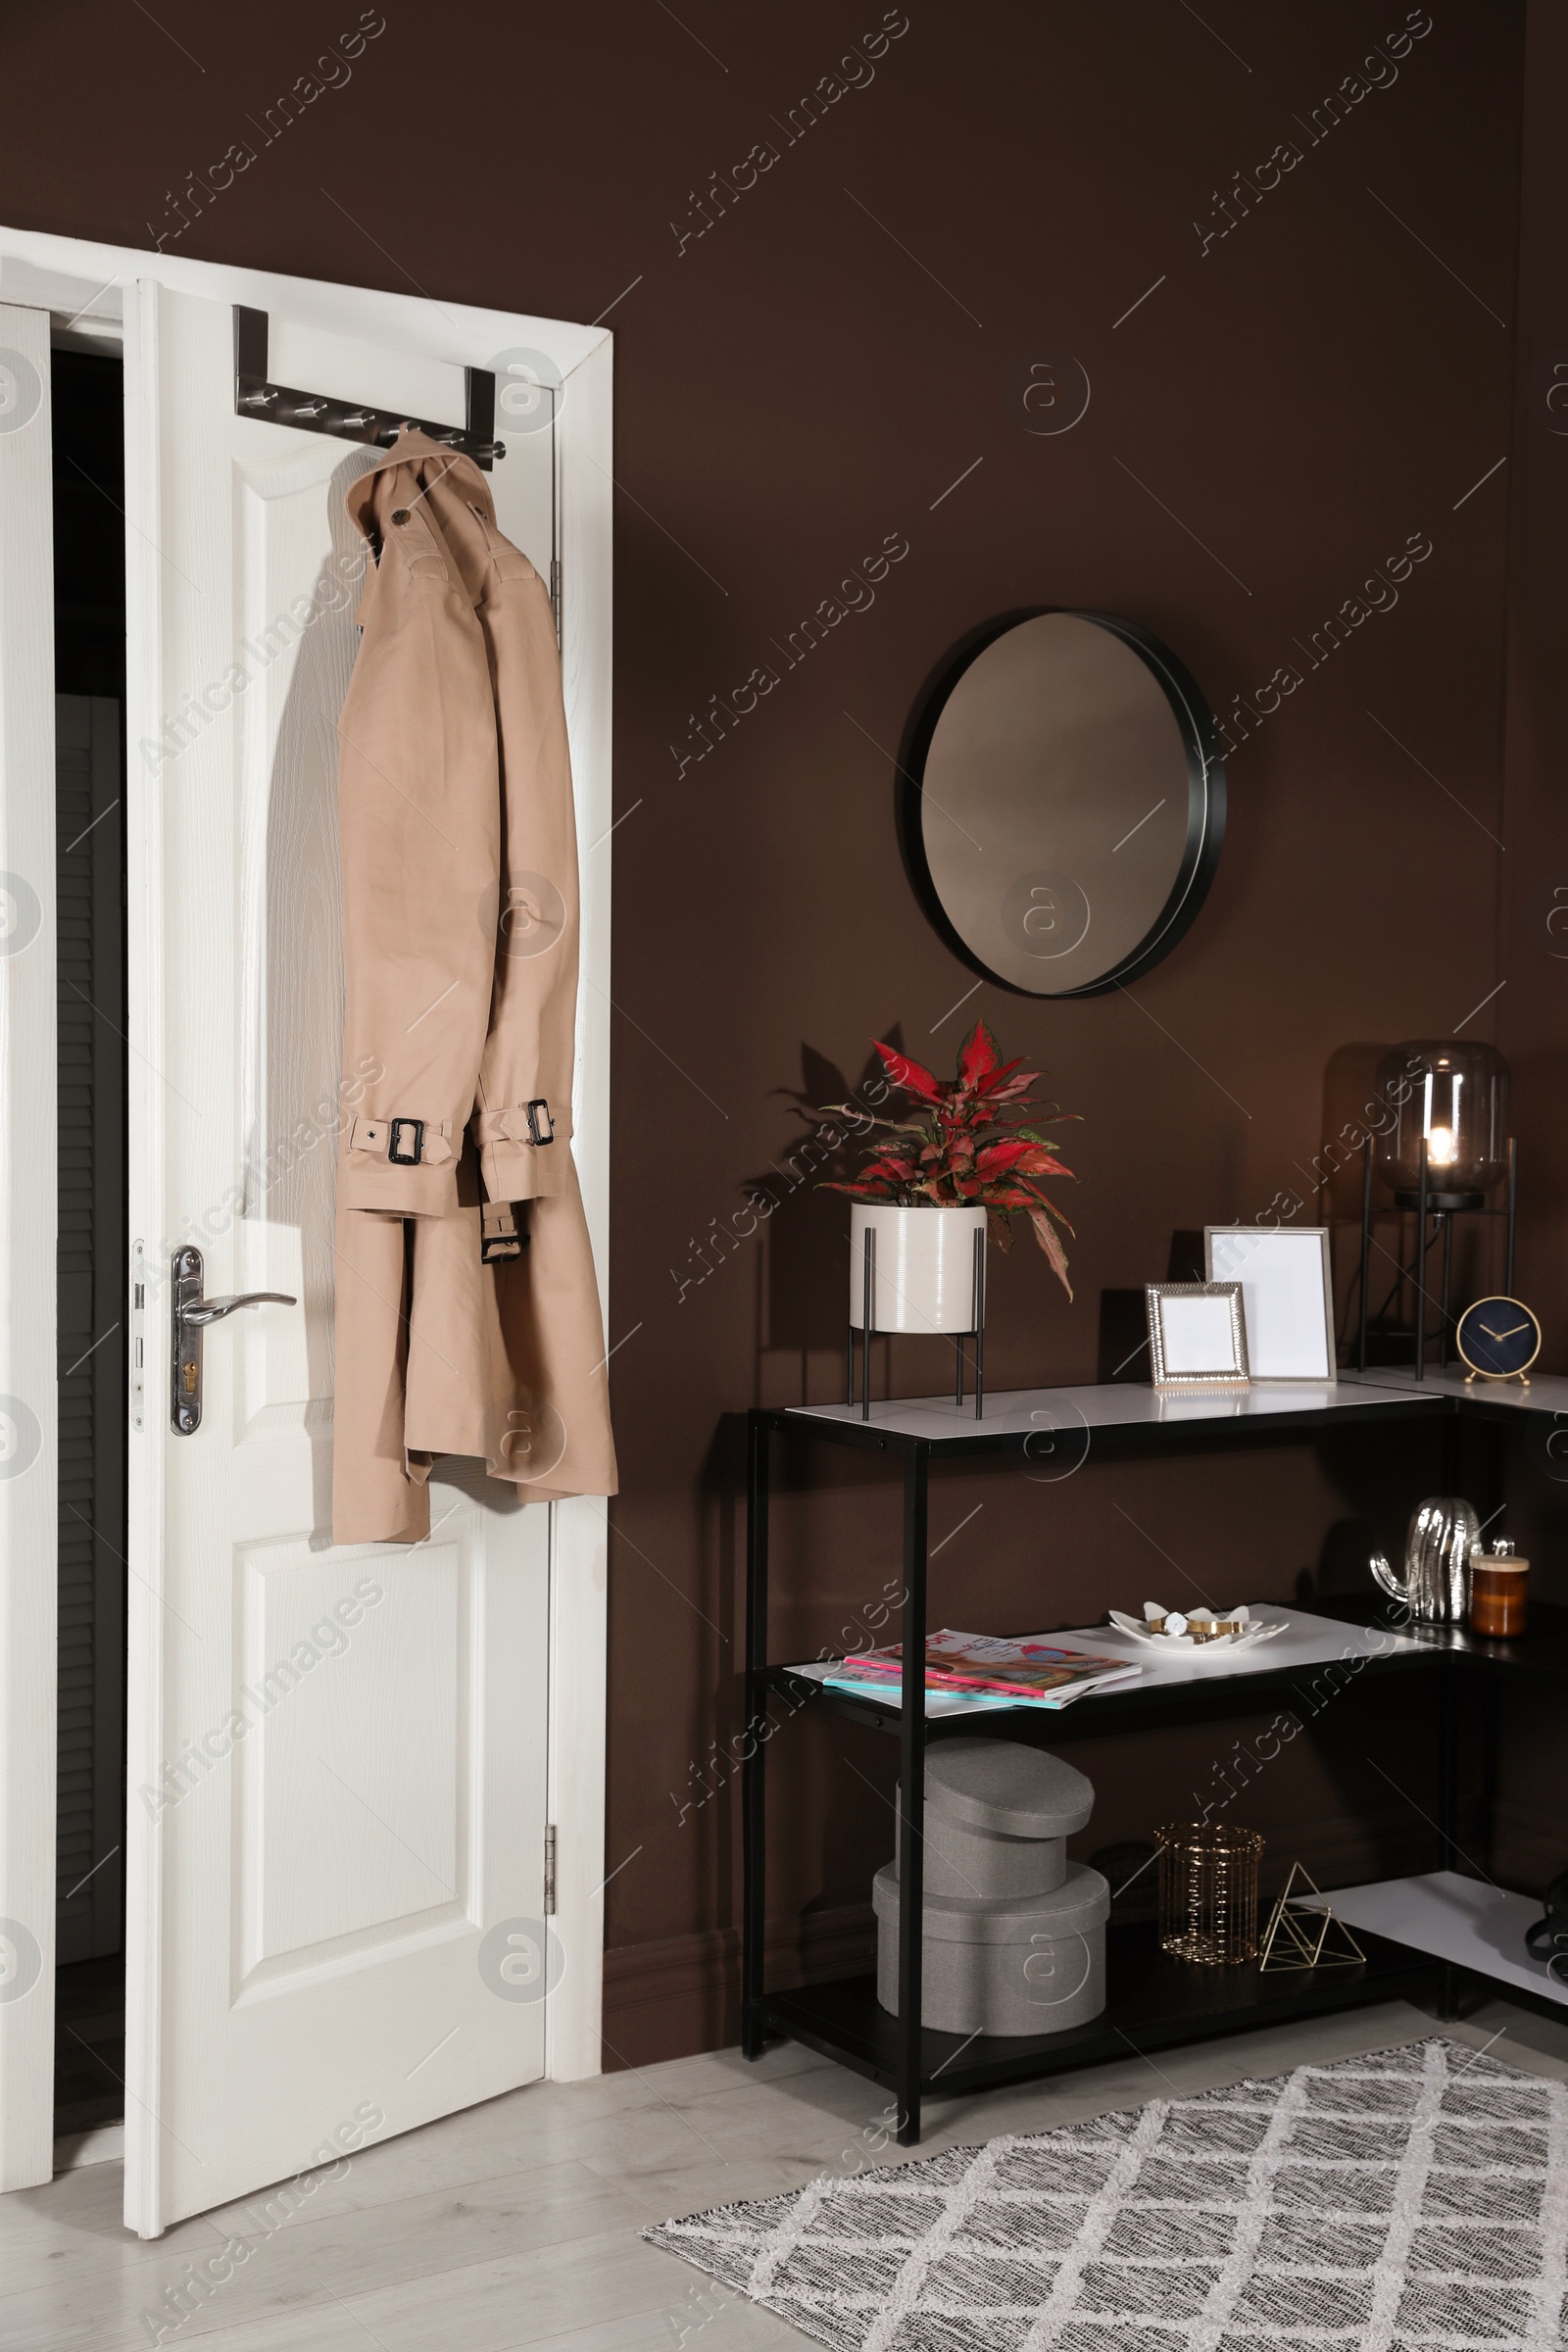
(1500, 1583)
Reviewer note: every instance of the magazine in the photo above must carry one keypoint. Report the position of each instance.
(987, 1665)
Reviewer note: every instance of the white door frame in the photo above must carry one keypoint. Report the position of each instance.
(93, 287)
(29, 1368)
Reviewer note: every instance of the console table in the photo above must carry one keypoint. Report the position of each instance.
(1419, 1935)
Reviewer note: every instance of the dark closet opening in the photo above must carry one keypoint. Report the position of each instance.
(89, 614)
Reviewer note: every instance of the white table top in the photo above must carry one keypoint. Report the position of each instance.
(1547, 1391)
(1055, 1415)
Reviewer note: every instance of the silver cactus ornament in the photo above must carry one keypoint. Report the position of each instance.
(1441, 1538)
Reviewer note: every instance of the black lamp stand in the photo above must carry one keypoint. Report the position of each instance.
(1432, 1206)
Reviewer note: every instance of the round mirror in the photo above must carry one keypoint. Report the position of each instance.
(1063, 803)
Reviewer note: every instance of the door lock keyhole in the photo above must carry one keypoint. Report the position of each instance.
(189, 1315)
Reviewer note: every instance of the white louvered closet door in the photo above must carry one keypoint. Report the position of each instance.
(91, 1345)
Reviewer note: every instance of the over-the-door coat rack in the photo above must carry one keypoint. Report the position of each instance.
(256, 395)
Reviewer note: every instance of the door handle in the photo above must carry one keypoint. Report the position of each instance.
(189, 1315)
(213, 1311)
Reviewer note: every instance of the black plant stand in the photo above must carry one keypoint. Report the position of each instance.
(867, 1327)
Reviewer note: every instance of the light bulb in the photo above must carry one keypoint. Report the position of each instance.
(1440, 1146)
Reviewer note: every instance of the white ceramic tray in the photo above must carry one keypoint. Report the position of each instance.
(1166, 1631)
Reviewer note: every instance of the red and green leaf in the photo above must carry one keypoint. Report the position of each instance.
(911, 1075)
(977, 1056)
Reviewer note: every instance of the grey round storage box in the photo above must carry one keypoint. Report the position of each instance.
(997, 1816)
(1030, 1966)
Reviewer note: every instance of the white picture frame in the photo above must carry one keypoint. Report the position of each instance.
(1196, 1334)
(1286, 1289)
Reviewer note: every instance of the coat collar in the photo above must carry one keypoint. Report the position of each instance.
(413, 447)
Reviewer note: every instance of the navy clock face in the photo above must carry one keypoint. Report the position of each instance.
(1498, 1336)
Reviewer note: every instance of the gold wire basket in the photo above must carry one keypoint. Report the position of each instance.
(1208, 1891)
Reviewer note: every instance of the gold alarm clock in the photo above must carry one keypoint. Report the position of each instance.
(1499, 1338)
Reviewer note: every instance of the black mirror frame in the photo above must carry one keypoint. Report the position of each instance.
(1206, 795)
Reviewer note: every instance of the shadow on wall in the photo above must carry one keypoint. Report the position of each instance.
(1329, 1194)
(1350, 1106)
(1343, 1573)
(1124, 1313)
(809, 1227)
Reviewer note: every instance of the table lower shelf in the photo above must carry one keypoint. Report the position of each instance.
(1471, 1922)
(1155, 2002)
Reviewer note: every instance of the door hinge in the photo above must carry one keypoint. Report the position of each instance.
(138, 1313)
(555, 593)
(550, 1870)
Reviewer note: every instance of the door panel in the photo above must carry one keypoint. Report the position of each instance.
(338, 1755)
(335, 1878)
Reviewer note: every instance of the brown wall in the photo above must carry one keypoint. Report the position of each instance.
(1286, 410)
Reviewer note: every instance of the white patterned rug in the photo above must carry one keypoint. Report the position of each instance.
(1415, 2200)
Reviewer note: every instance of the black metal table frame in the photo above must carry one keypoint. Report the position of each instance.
(912, 1730)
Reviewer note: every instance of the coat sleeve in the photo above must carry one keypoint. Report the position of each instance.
(419, 831)
(522, 1115)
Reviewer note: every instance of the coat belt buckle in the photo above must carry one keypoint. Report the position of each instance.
(538, 1133)
(394, 1152)
(500, 1235)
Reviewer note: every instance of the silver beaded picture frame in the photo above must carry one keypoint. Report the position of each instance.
(1196, 1334)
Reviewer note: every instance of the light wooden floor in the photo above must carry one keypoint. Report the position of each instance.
(517, 2222)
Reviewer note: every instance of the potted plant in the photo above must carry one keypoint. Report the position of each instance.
(967, 1157)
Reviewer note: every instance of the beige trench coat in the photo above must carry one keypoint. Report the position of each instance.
(460, 1328)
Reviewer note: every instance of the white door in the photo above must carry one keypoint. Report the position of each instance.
(337, 1770)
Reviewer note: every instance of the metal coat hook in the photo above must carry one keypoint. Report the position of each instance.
(255, 395)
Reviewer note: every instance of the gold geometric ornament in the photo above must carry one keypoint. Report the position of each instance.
(1301, 1940)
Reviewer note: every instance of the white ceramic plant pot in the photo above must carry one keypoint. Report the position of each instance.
(924, 1267)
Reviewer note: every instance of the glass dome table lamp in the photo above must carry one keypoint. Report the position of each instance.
(1452, 1097)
